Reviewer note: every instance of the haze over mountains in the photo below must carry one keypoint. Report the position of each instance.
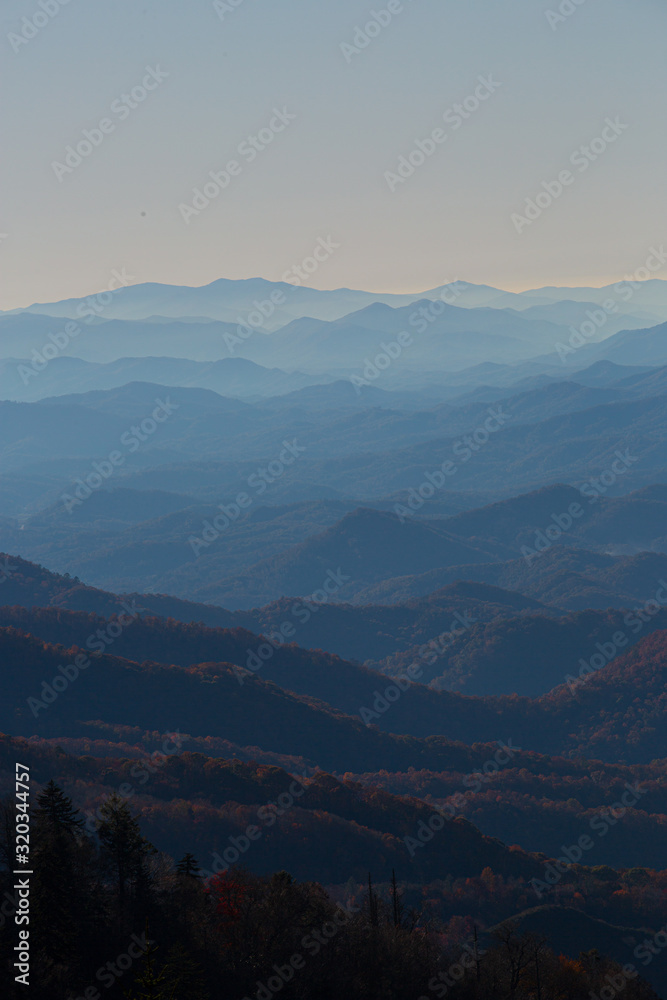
(411, 549)
(289, 326)
(371, 445)
(222, 298)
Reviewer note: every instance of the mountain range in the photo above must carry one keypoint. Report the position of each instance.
(390, 570)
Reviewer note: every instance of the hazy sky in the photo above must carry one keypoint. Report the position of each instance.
(323, 175)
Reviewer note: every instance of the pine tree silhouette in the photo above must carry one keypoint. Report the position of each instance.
(123, 847)
(55, 809)
(185, 975)
(151, 984)
(188, 865)
(61, 915)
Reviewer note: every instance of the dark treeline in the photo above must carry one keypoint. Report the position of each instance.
(111, 917)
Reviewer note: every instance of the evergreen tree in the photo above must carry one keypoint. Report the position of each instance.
(151, 984)
(188, 865)
(56, 811)
(124, 849)
(62, 908)
(185, 975)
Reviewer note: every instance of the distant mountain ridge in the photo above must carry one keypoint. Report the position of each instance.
(220, 297)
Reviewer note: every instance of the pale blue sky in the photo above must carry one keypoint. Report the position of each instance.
(324, 174)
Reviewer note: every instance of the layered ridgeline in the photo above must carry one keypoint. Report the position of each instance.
(468, 637)
(260, 933)
(613, 711)
(559, 546)
(356, 606)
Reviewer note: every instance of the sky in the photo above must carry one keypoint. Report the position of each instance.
(333, 107)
